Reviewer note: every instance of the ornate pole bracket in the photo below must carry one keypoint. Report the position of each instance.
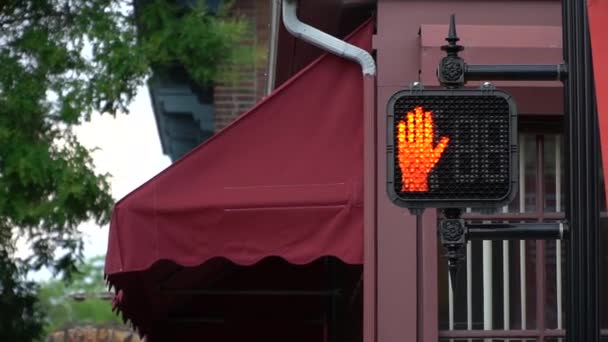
(454, 233)
(453, 72)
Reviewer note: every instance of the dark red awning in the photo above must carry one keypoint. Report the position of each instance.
(284, 180)
(598, 27)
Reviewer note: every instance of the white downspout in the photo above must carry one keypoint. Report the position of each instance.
(325, 41)
(275, 23)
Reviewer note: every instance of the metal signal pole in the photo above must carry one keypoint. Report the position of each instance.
(582, 156)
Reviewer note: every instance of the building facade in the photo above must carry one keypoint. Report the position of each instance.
(507, 290)
(188, 113)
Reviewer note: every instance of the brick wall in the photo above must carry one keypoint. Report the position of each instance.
(235, 97)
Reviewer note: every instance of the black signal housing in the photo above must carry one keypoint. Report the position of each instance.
(477, 168)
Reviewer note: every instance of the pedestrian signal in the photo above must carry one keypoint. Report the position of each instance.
(451, 148)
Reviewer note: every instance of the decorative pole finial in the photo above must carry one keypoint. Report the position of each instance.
(452, 48)
(452, 235)
(451, 68)
(452, 37)
(453, 267)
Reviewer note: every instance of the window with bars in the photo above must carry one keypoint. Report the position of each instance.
(514, 290)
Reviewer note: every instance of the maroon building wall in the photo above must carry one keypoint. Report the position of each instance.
(406, 253)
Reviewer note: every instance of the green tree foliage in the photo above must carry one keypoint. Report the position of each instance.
(61, 61)
(81, 301)
(198, 42)
(20, 318)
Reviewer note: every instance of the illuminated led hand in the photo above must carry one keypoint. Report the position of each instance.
(416, 154)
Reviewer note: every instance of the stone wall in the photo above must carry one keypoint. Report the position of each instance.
(94, 333)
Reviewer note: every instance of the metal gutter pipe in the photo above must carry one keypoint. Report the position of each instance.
(325, 41)
(275, 22)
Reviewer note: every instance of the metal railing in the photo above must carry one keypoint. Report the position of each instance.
(520, 273)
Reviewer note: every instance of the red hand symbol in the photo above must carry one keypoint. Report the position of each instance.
(416, 154)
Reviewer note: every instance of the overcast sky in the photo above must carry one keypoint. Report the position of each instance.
(129, 149)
